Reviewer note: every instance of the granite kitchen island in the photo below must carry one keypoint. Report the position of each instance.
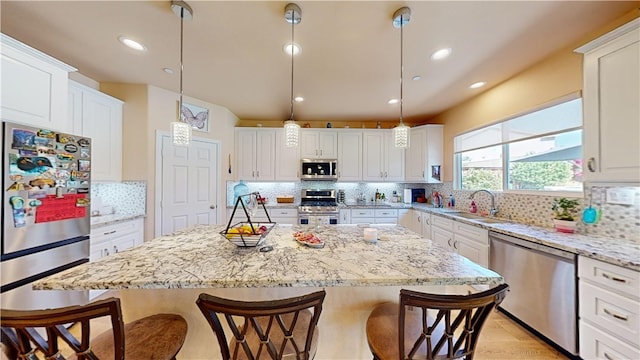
(167, 274)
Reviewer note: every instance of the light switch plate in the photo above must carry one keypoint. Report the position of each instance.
(622, 196)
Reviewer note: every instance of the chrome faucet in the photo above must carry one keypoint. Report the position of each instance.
(492, 211)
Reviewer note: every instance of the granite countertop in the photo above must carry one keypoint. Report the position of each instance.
(104, 220)
(200, 257)
(617, 251)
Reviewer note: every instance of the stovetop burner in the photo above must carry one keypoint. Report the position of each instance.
(318, 201)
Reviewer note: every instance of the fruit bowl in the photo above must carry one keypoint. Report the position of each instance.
(245, 234)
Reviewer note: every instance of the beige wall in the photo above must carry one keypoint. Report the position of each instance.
(552, 78)
(149, 109)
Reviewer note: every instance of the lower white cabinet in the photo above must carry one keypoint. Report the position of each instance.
(609, 310)
(363, 216)
(110, 239)
(345, 216)
(467, 240)
(471, 242)
(410, 219)
(425, 219)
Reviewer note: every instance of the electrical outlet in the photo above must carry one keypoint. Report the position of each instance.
(622, 196)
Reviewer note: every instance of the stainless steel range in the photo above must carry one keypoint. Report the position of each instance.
(318, 206)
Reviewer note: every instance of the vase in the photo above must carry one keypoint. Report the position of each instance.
(565, 226)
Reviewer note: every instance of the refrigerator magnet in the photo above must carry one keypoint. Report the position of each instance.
(84, 165)
(23, 139)
(72, 148)
(84, 142)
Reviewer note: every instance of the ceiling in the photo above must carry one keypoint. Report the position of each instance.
(350, 62)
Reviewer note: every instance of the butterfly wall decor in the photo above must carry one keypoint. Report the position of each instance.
(196, 116)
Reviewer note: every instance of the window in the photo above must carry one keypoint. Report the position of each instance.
(538, 151)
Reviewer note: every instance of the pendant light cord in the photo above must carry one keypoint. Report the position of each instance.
(401, 64)
(293, 24)
(181, 66)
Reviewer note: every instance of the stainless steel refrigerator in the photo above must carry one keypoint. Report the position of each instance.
(46, 177)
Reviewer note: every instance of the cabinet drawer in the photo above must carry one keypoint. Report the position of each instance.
(386, 213)
(283, 212)
(615, 313)
(472, 233)
(386, 220)
(358, 213)
(442, 222)
(115, 230)
(363, 220)
(596, 344)
(618, 279)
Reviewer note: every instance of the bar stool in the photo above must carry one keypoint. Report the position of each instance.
(410, 330)
(157, 336)
(277, 329)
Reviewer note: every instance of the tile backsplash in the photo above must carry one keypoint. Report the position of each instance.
(617, 221)
(126, 198)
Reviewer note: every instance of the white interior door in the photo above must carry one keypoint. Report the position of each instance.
(189, 184)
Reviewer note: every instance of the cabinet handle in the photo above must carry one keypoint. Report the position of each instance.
(386, 174)
(257, 173)
(455, 245)
(320, 151)
(115, 249)
(608, 356)
(106, 252)
(591, 164)
(110, 232)
(418, 218)
(449, 242)
(614, 315)
(610, 277)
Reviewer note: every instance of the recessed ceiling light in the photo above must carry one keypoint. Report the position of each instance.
(477, 85)
(297, 49)
(416, 78)
(441, 54)
(168, 71)
(393, 101)
(132, 44)
(299, 99)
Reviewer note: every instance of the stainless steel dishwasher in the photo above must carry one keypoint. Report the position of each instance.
(542, 287)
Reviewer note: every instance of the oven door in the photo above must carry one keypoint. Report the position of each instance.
(317, 219)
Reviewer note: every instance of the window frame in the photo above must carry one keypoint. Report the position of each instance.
(457, 155)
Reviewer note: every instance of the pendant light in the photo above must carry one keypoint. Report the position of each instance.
(181, 131)
(401, 18)
(292, 15)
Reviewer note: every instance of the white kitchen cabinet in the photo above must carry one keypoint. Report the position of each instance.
(98, 116)
(471, 242)
(442, 232)
(610, 101)
(409, 218)
(111, 239)
(318, 144)
(287, 161)
(609, 310)
(255, 154)
(381, 160)
(344, 216)
(363, 216)
(277, 215)
(34, 87)
(349, 155)
(386, 216)
(424, 155)
(425, 219)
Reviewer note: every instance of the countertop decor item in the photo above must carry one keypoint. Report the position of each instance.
(564, 213)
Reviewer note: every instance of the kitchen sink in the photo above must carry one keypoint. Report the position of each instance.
(478, 218)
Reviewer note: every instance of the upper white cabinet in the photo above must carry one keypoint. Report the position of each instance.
(98, 116)
(318, 144)
(287, 161)
(350, 155)
(34, 87)
(255, 154)
(381, 160)
(424, 155)
(610, 100)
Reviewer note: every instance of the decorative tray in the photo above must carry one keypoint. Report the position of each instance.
(247, 234)
(308, 239)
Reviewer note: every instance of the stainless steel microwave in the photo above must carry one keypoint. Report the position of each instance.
(318, 169)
